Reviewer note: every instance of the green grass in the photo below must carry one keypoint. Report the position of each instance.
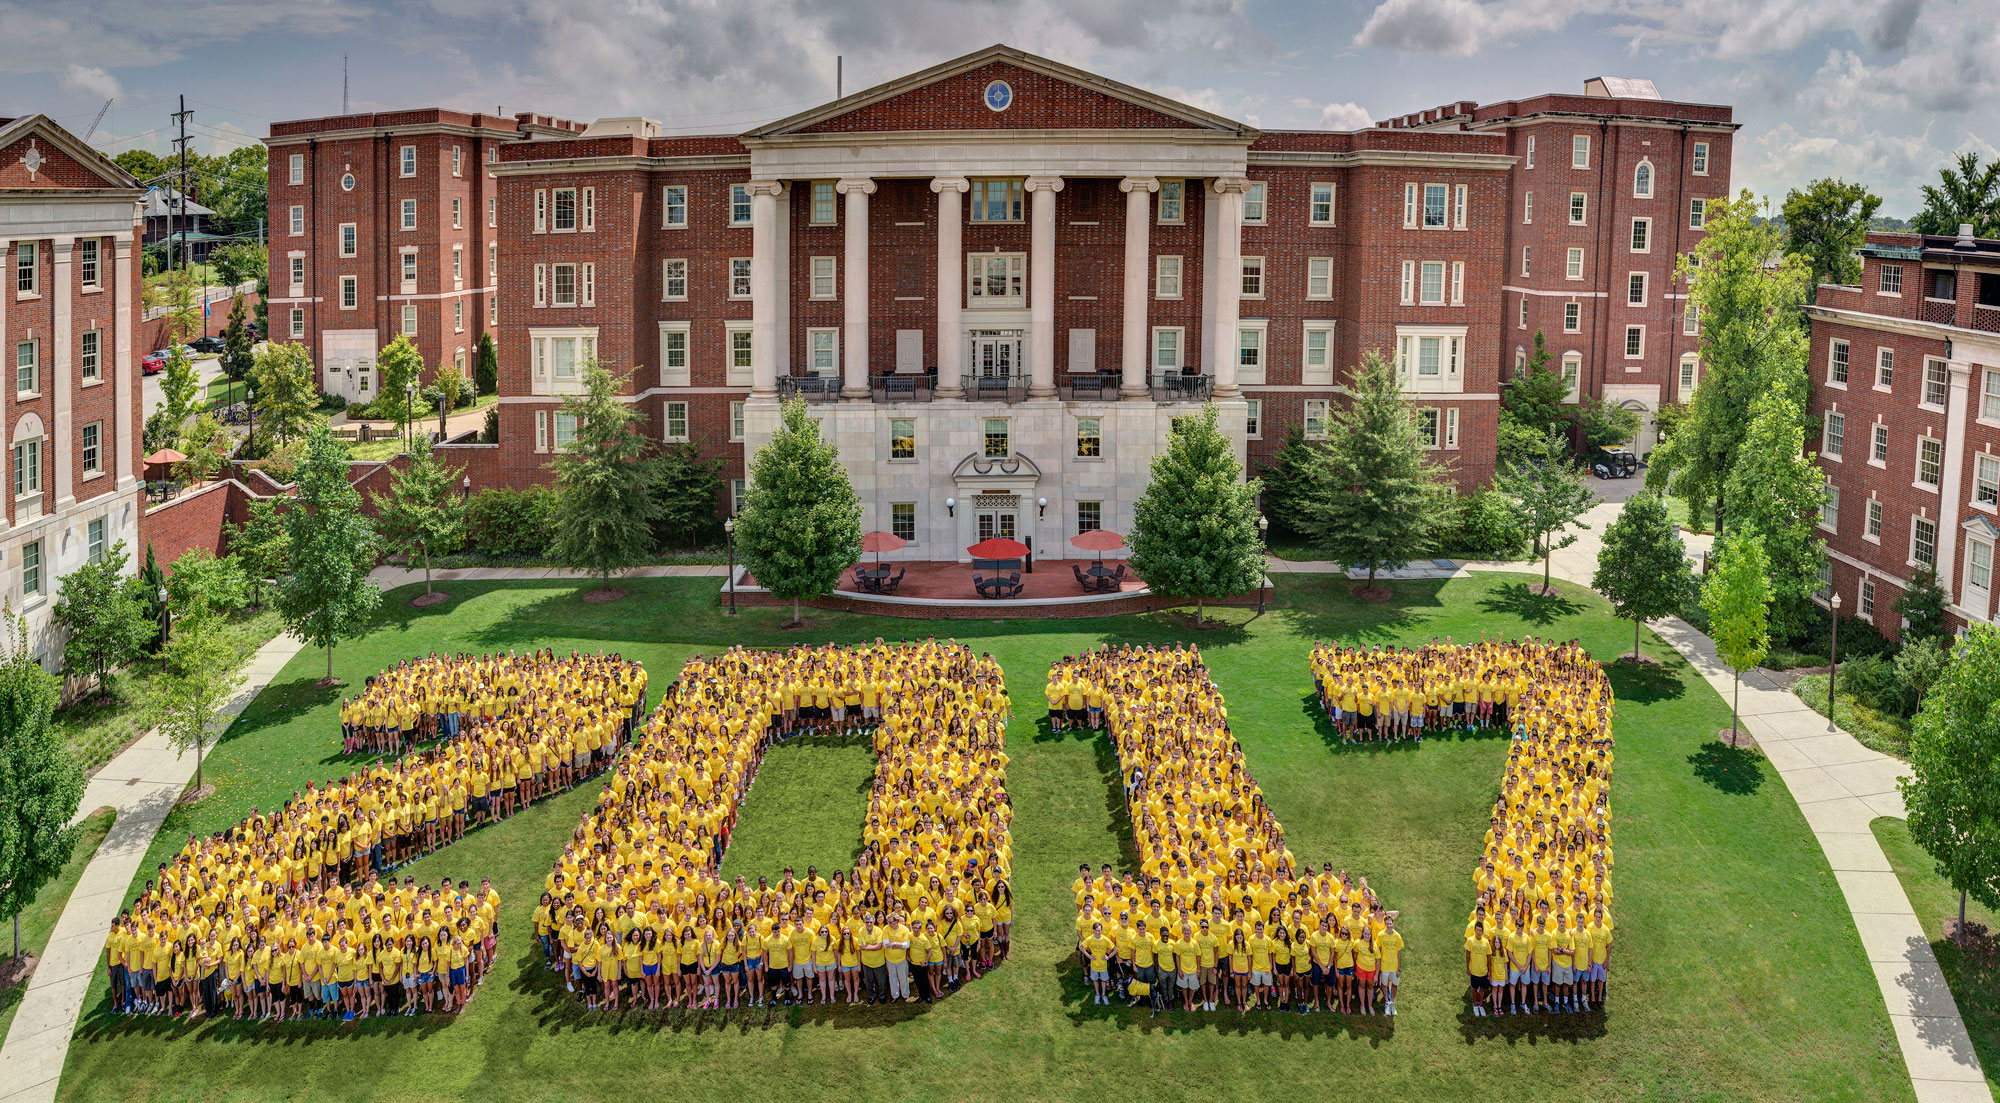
(1973, 970)
(1738, 972)
(38, 919)
(96, 729)
(1877, 730)
(377, 449)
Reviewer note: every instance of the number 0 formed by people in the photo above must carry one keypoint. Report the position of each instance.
(1540, 929)
(637, 897)
(1220, 911)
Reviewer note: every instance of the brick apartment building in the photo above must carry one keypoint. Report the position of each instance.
(1906, 387)
(69, 412)
(384, 224)
(1001, 278)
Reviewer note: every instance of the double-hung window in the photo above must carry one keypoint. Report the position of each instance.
(739, 277)
(674, 206)
(87, 264)
(1836, 367)
(1319, 277)
(1986, 479)
(1930, 462)
(1835, 434)
(562, 210)
(825, 209)
(824, 270)
(1167, 276)
(1172, 202)
(996, 201)
(27, 368)
(1321, 210)
(27, 274)
(1436, 213)
(409, 214)
(89, 355)
(89, 441)
(409, 160)
(739, 204)
(674, 279)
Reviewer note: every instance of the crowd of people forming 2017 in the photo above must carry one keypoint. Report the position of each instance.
(636, 914)
(1540, 932)
(296, 913)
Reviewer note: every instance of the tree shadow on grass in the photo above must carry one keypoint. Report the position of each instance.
(1735, 770)
(1322, 607)
(1078, 997)
(1648, 684)
(1315, 714)
(1515, 599)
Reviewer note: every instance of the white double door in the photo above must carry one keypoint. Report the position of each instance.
(996, 355)
(997, 522)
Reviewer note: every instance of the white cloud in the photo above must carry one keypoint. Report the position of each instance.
(1425, 27)
(91, 81)
(1893, 165)
(1345, 116)
(39, 37)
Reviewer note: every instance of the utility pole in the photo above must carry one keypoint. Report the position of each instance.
(180, 199)
(343, 84)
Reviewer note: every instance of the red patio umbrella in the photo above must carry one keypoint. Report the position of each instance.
(165, 455)
(1099, 541)
(879, 542)
(998, 547)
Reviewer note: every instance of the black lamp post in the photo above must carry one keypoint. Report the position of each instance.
(729, 531)
(466, 487)
(1833, 666)
(1263, 525)
(409, 416)
(166, 618)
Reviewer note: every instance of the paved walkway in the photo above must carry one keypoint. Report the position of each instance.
(391, 577)
(142, 785)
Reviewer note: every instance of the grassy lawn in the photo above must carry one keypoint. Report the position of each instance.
(97, 730)
(1738, 973)
(38, 919)
(1877, 730)
(1973, 971)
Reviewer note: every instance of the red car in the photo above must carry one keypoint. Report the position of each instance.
(155, 362)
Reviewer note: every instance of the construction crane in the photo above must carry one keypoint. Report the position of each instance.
(92, 129)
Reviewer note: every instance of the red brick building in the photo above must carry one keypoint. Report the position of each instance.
(1906, 387)
(69, 410)
(1000, 279)
(384, 224)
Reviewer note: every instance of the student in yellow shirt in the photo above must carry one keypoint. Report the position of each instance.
(1389, 944)
(1097, 952)
(1476, 954)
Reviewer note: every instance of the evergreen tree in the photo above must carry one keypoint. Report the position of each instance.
(198, 676)
(1737, 596)
(800, 525)
(1288, 481)
(398, 366)
(287, 401)
(1374, 497)
(326, 596)
(686, 487)
(1535, 396)
(1826, 223)
(103, 619)
(1777, 489)
(1954, 754)
(486, 370)
(236, 344)
(1194, 531)
(1753, 340)
(604, 502)
(1642, 570)
(153, 583)
(422, 513)
(1549, 497)
(260, 544)
(1923, 607)
(41, 786)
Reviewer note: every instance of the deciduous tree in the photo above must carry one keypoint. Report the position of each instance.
(203, 582)
(198, 676)
(399, 365)
(1954, 755)
(260, 544)
(1549, 497)
(1194, 530)
(1776, 489)
(686, 487)
(287, 400)
(40, 784)
(326, 595)
(1965, 192)
(800, 523)
(1737, 598)
(103, 618)
(423, 513)
(1825, 223)
(1642, 570)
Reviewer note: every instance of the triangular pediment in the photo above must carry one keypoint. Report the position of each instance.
(36, 153)
(1038, 94)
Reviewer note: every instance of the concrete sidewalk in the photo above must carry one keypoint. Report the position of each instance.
(390, 578)
(142, 785)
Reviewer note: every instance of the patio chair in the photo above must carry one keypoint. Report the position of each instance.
(1013, 585)
(888, 585)
(1086, 581)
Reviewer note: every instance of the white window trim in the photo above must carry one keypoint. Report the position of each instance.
(1878, 432)
(667, 207)
(1306, 410)
(832, 371)
(575, 210)
(1450, 378)
(1160, 204)
(1826, 434)
(296, 221)
(1574, 149)
(1567, 311)
(1917, 463)
(1698, 159)
(1573, 392)
(1880, 352)
(1459, 204)
(1874, 517)
(1328, 261)
(1645, 288)
(350, 288)
(1833, 348)
(1636, 223)
(1831, 500)
(1973, 497)
(1180, 270)
(341, 240)
(1578, 268)
(1924, 384)
(665, 295)
(733, 375)
(682, 376)
(1263, 216)
(731, 272)
(1627, 340)
(832, 277)
(1443, 283)
(406, 162)
(1321, 376)
(1153, 349)
(736, 419)
(1652, 179)
(1253, 421)
(1263, 276)
(542, 378)
(1697, 213)
(1332, 203)
(296, 169)
(1574, 218)
(1527, 208)
(1915, 520)
(667, 433)
(1258, 374)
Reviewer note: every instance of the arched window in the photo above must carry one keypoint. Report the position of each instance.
(1642, 180)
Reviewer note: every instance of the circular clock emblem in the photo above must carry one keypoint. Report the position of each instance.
(999, 97)
(347, 182)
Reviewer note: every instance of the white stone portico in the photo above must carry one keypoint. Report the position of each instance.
(983, 462)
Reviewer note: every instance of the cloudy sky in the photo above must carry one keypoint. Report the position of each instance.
(1883, 91)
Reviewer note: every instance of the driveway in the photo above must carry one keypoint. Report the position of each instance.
(205, 369)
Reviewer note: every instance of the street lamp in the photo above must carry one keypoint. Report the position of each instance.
(166, 618)
(1263, 525)
(409, 415)
(1833, 666)
(467, 485)
(729, 531)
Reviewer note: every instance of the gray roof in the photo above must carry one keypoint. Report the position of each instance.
(160, 203)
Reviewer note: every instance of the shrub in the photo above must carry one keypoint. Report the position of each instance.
(1918, 667)
(1484, 525)
(1873, 681)
(511, 523)
(331, 403)
(491, 434)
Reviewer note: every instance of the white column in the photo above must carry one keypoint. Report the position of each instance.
(782, 250)
(764, 320)
(124, 377)
(1228, 262)
(1138, 258)
(950, 282)
(854, 289)
(1042, 284)
(1950, 508)
(7, 415)
(60, 382)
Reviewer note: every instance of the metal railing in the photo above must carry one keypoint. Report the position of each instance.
(1943, 312)
(995, 388)
(1173, 386)
(812, 388)
(1986, 318)
(903, 387)
(1091, 386)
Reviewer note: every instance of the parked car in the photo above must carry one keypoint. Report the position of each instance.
(207, 346)
(1613, 462)
(155, 362)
